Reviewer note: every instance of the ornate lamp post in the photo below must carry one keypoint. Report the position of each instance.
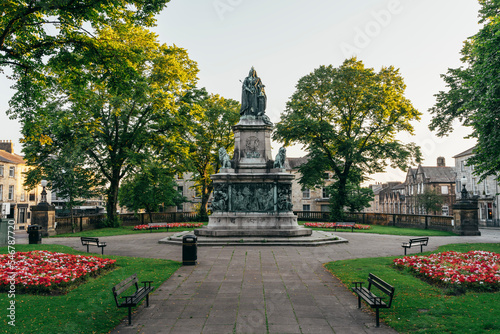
(44, 192)
(465, 193)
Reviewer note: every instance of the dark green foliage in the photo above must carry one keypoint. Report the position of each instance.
(149, 189)
(473, 91)
(430, 201)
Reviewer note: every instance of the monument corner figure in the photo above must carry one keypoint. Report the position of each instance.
(252, 192)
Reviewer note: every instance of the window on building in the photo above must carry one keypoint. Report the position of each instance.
(11, 193)
(325, 208)
(1, 170)
(474, 186)
(1, 192)
(325, 193)
(490, 211)
(306, 207)
(462, 166)
(446, 210)
(12, 171)
(306, 193)
(22, 197)
(486, 188)
(32, 197)
(22, 216)
(444, 190)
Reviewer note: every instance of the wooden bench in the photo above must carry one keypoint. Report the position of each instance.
(416, 242)
(345, 225)
(370, 298)
(88, 241)
(134, 299)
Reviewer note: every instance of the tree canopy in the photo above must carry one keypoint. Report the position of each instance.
(212, 118)
(473, 93)
(118, 100)
(347, 118)
(33, 29)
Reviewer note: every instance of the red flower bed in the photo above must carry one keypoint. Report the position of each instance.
(333, 225)
(170, 225)
(44, 271)
(474, 269)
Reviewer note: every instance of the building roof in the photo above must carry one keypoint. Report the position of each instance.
(439, 174)
(465, 153)
(294, 163)
(11, 158)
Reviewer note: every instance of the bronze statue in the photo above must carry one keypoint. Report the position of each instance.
(253, 96)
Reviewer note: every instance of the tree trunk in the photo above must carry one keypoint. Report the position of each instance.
(112, 202)
(71, 217)
(338, 203)
(205, 196)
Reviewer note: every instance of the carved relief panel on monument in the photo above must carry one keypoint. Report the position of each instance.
(251, 147)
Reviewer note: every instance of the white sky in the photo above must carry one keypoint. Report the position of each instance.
(287, 39)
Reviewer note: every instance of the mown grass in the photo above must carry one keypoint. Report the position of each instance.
(419, 307)
(391, 230)
(122, 230)
(90, 308)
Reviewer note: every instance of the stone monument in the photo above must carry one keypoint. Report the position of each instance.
(252, 192)
(465, 215)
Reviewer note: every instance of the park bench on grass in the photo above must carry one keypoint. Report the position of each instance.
(88, 241)
(135, 298)
(416, 242)
(345, 225)
(370, 298)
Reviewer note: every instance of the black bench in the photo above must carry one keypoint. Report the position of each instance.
(370, 298)
(134, 299)
(88, 241)
(345, 225)
(416, 242)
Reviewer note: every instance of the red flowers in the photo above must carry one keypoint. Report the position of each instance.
(31, 270)
(332, 225)
(472, 269)
(170, 225)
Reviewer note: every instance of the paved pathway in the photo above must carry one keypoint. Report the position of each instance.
(245, 289)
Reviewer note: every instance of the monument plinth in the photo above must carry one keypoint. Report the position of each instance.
(252, 193)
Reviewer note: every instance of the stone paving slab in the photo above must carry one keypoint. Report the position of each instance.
(240, 289)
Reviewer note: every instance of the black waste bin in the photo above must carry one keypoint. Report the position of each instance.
(189, 250)
(34, 234)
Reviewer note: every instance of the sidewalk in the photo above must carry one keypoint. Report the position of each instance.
(245, 289)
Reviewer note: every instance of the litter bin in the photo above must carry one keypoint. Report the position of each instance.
(189, 250)
(34, 234)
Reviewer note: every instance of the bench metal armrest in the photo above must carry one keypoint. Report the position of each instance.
(148, 283)
(356, 284)
(378, 300)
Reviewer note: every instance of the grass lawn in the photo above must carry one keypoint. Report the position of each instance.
(90, 308)
(419, 307)
(110, 231)
(378, 229)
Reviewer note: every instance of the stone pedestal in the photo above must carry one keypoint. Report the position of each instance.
(465, 216)
(45, 215)
(252, 198)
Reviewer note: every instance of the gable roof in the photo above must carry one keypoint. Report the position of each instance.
(438, 174)
(11, 158)
(465, 153)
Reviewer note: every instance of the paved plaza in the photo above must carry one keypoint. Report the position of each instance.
(259, 289)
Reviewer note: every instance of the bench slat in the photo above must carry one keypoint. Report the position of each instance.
(124, 285)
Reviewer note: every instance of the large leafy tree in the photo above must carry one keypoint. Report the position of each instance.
(212, 119)
(473, 93)
(31, 30)
(118, 100)
(347, 118)
(150, 188)
(429, 201)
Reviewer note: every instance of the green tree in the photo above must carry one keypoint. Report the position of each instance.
(347, 118)
(118, 101)
(32, 30)
(213, 117)
(430, 201)
(149, 189)
(473, 91)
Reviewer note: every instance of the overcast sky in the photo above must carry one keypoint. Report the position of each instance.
(285, 40)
